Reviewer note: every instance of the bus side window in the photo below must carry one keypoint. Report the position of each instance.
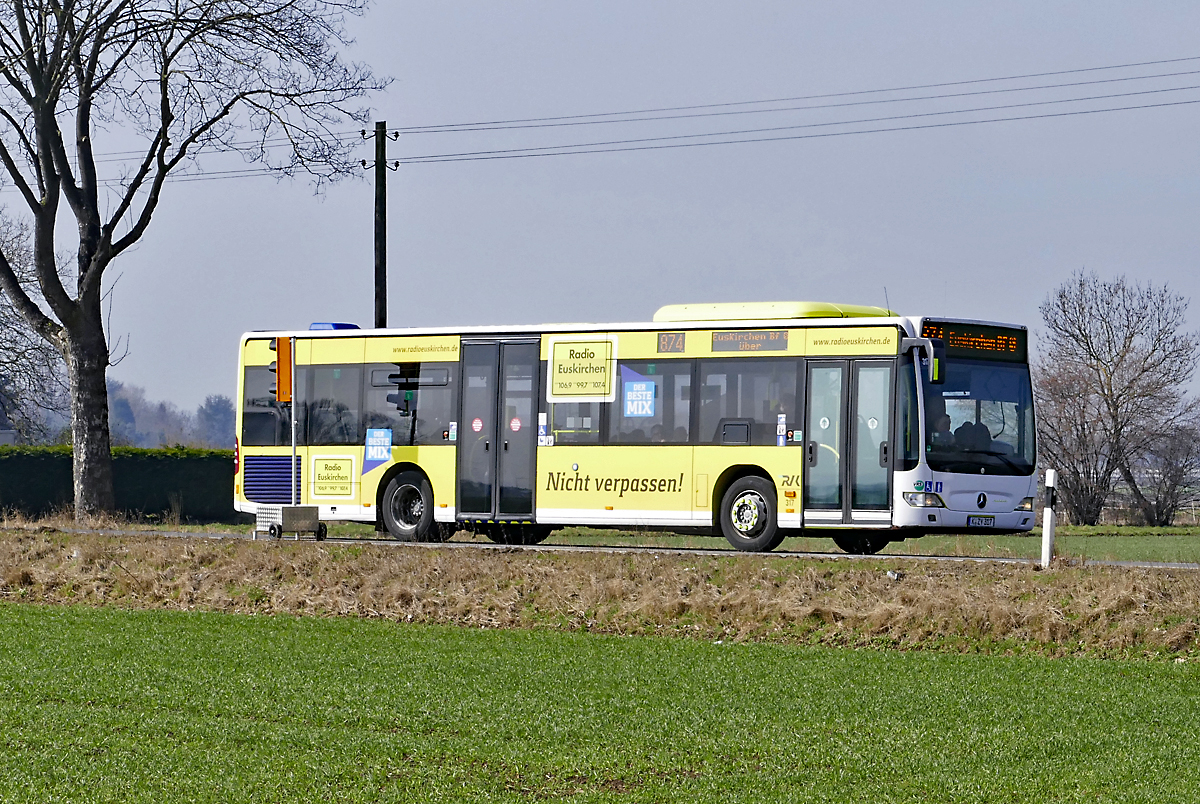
(908, 452)
(653, 404)
(760, 391)
(331, 398)
(423, 401)
(575, 422)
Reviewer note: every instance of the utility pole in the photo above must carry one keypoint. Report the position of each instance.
(381, 169)
(380, 224)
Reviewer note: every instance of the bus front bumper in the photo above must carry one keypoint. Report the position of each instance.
(945, 519)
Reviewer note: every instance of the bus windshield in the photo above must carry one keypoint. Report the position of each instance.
(981, 419)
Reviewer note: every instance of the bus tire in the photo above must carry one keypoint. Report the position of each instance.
(861, 544)
(322, 532)
(407, 508)
(517, 534)
(747, 515)
(536, 534)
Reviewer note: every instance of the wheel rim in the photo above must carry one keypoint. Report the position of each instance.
(748, 514)
(408, 507)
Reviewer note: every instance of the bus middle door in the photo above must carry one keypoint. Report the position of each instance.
(498, 430)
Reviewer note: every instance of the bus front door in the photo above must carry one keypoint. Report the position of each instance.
(497, 430)
(847, 455)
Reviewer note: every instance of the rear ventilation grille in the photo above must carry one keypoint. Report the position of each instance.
(267, 478)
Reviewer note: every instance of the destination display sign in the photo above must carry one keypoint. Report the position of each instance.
(753, 340)
(979, 341)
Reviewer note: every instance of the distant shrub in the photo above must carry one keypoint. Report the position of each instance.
(176, 483)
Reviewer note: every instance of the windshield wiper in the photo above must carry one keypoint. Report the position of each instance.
(1001, 455)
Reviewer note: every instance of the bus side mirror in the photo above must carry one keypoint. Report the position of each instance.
(937, 362)
(932, 354)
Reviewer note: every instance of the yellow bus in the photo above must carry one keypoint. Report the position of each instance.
(748, 421)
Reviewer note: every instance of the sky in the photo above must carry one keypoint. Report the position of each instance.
(976, 221)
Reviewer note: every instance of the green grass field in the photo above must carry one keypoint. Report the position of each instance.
(113, 705)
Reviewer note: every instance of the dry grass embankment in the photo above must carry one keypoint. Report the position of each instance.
(944, 605)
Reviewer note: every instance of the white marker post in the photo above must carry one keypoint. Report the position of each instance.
(1048, 517)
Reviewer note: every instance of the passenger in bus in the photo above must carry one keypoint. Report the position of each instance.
(983, 437)
(941, 435)
(973, 436)
(681, 435)
(657, 435)
(787, 407)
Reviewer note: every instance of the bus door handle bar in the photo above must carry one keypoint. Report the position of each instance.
(883, 454)
(812, 453)
(506, 446)
(487, 445)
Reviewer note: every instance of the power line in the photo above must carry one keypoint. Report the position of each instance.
(808, 136)
(565, 148)
(449, 127)
(415, 129)
(232, 148)
(619, 145)
(185, 177)
(525, 154)
(942, 96)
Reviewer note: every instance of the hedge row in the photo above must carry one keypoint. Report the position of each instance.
(194, 484)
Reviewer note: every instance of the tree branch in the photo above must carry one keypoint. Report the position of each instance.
(24, 305)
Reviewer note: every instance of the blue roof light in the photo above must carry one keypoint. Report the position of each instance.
(331, 325)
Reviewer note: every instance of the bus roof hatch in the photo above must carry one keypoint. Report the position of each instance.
(761, 311)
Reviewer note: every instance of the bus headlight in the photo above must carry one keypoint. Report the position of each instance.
(1026, 505)
(923, 499)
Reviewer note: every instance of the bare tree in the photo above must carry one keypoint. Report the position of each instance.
(1123, 349)
(1168, 473)
(32, 372)
(1069, 440)
(173, 79)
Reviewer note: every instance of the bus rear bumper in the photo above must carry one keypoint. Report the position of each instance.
(342, 513)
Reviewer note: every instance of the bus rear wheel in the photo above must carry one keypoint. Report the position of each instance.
(748, 515)
(407, 509)
(515, 533)
(861, 544)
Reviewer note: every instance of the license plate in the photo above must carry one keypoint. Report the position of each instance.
(981, 521)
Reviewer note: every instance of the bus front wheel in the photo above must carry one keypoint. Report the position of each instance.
(748, 515)
(407, 508)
